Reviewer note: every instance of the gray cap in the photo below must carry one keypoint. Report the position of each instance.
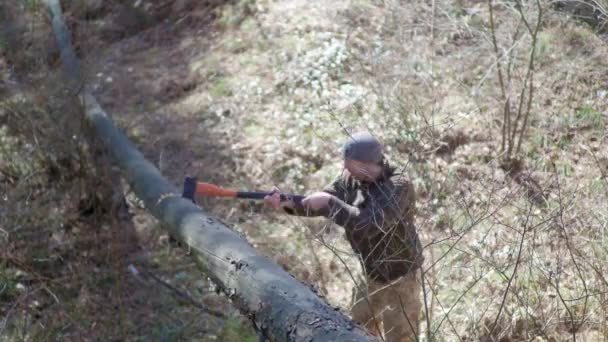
(362, 147)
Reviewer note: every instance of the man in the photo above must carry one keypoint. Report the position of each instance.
(376, 206)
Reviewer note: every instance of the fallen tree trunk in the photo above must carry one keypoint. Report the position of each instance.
(282, 307)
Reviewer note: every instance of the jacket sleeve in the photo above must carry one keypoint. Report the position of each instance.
(379, 215)
(337, 188)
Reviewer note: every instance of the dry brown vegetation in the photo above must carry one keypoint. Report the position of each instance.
(254, 93)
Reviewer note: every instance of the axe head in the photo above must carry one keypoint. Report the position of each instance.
(189, 188)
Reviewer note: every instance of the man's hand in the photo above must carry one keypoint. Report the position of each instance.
(274, 200)
(317, 200)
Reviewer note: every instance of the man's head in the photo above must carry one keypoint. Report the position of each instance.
(363, 156)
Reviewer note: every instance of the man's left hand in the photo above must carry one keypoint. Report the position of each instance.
(317, 200)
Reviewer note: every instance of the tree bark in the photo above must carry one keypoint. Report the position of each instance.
(282, 307)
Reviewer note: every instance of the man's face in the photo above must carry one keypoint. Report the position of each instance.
(362, 171)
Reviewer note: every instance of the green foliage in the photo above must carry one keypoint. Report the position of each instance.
(456, 9)
(444, 221)
(234, 13)
(238, 45)
(235, 330)
(253, 130)
(564, 141)
(545, 42)
(30, 4)
(584, 117)
(564, 168)
(167, 332)
(18, 161)
(540, 140)
(221, 87)
(587, 116)
(248, 25)
(475, 21)
(408, 134)
(8, 283)
(598, 185)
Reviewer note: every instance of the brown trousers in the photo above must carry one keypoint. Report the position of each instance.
(390, 308)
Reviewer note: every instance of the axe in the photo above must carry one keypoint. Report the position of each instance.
(193, 187)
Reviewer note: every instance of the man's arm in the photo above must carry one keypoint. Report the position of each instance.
(337, 189)
(379, 216)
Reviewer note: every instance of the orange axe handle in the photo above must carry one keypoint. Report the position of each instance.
(209, 189)
(192, 188)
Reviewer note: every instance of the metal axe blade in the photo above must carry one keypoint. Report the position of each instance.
(189, 188)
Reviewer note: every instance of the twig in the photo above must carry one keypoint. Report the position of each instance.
(521, 243)
(598, 163)
(6, 318)
(427, 313)
(530, 73)
(443, 308)
(562, 226)
(409, 323)
(175, 290)
(505, 98)
(456, 303)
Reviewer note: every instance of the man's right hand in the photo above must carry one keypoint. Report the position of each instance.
(274, 200)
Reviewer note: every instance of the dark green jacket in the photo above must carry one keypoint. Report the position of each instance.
(378, 218)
